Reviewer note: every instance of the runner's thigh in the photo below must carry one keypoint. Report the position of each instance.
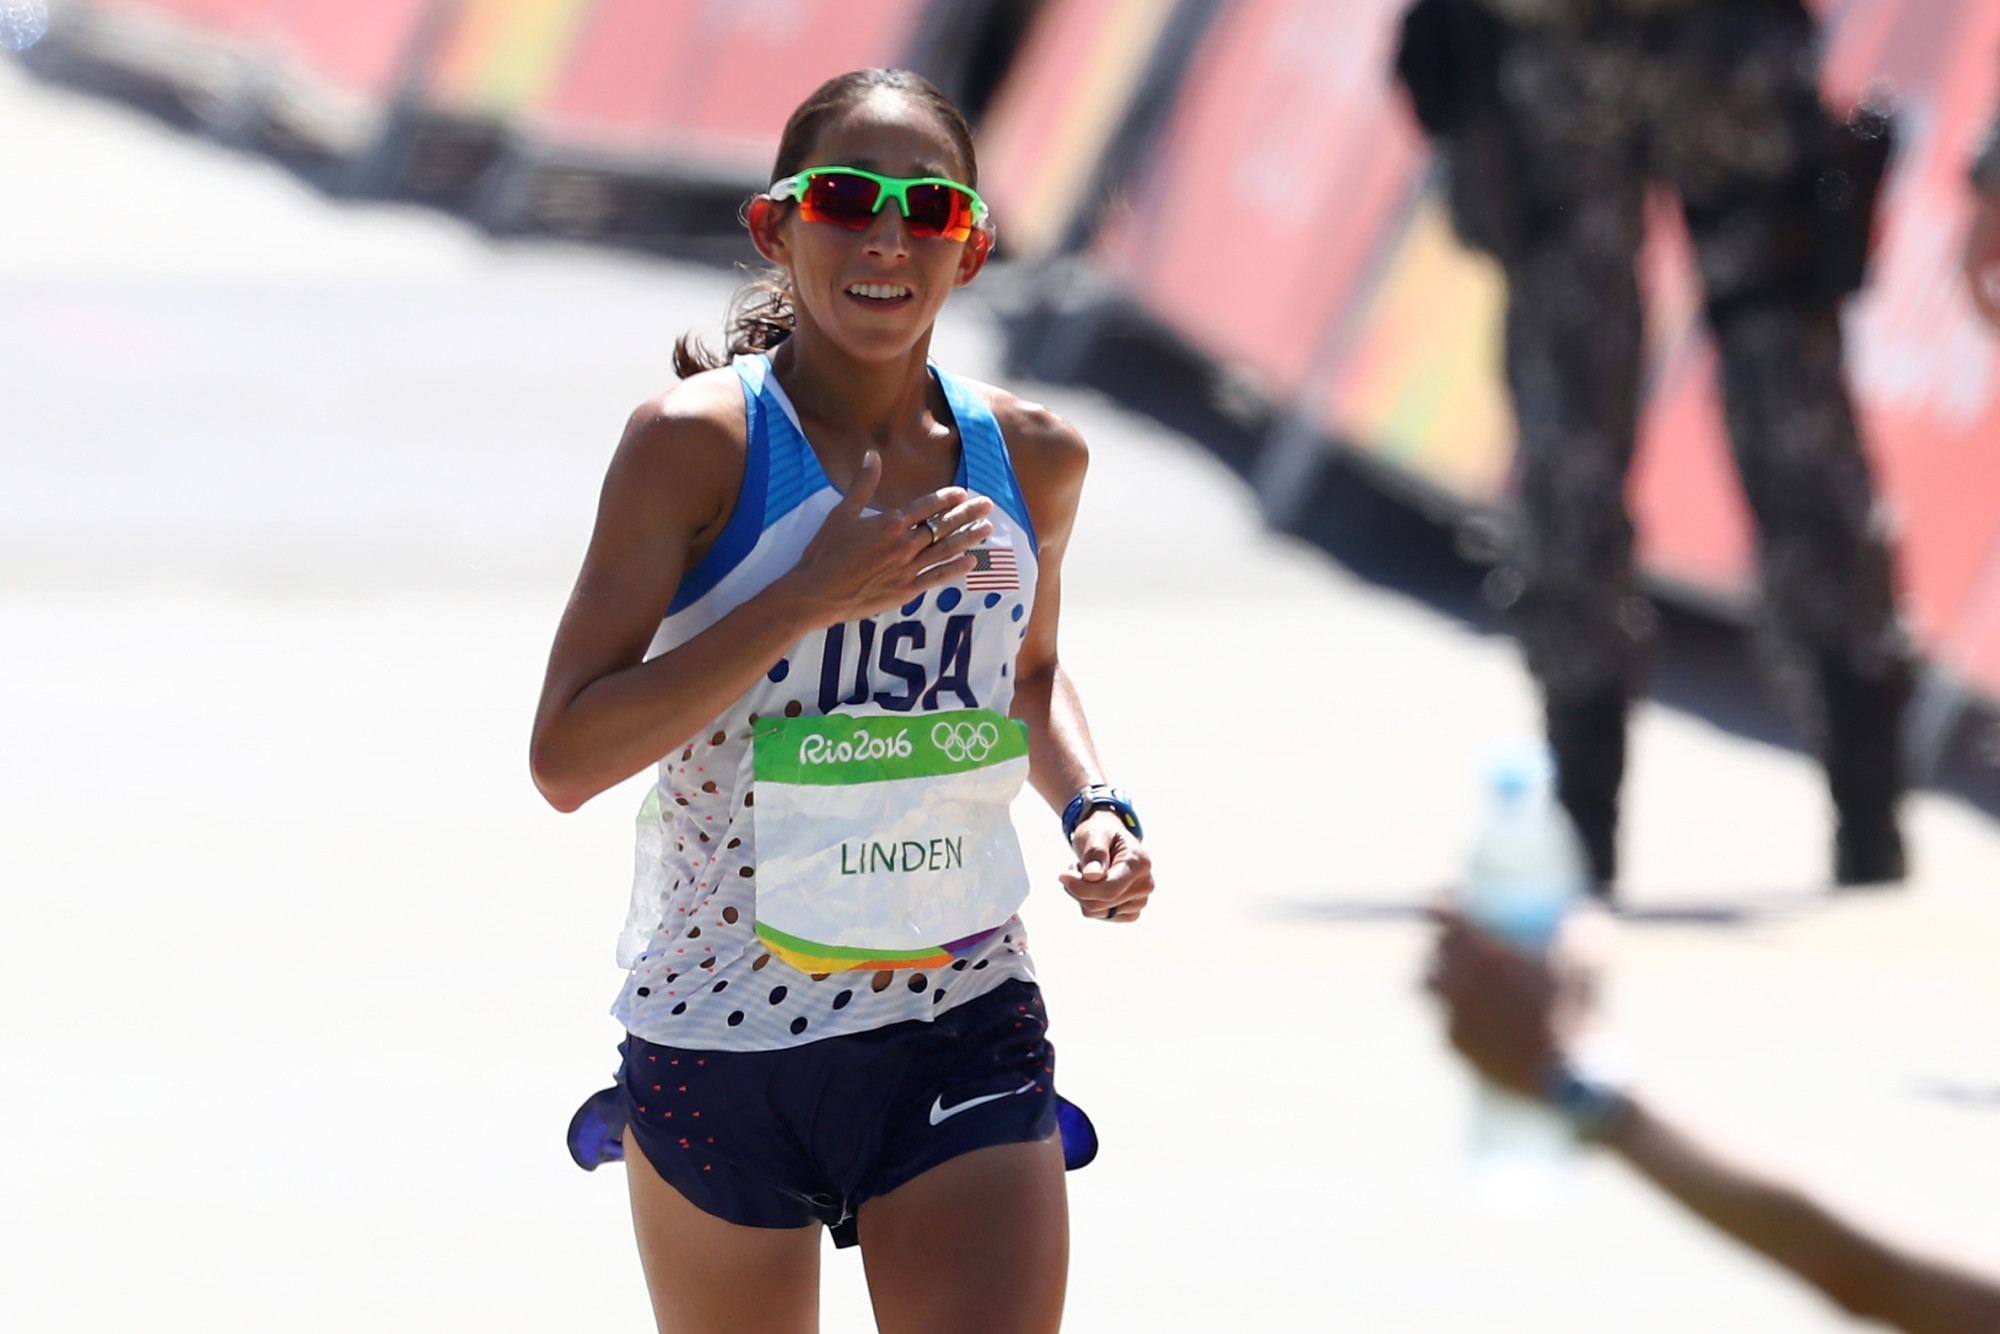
(707, 1276)
(976, 1245)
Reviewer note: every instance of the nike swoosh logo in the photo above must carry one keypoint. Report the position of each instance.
(941, 1113)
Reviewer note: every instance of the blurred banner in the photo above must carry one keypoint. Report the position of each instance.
(706, 85)
(326, 70)
(1290, 141)
(220, 17)
(356, 47)
(1043, 141)
(1280, 171)
(501, 57)
(696, 88)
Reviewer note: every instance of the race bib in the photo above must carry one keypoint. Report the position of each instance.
(883, 841)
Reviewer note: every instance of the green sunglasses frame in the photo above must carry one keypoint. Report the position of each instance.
(892, 187)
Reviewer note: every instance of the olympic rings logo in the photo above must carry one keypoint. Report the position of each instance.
(965, 741)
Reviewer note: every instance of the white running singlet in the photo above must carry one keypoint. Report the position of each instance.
(700, 975)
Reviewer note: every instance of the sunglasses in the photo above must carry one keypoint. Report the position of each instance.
(850, 197)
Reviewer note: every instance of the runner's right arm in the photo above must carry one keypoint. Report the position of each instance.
(606, 711)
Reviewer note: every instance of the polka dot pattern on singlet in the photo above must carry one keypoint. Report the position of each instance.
(700, 976)
(710, 932)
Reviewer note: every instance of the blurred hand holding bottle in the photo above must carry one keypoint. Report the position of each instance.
(1528, 872)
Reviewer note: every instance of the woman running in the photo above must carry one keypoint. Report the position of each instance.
(822, 597)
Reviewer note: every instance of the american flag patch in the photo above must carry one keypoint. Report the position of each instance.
(993, 569)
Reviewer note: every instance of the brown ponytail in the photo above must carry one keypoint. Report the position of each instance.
(761, 315)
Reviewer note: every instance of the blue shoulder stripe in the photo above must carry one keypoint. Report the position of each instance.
(984, 464)
(795, 470)
(747, 522)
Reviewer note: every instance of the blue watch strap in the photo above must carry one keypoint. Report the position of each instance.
(1100, 797)
(1591, 1103)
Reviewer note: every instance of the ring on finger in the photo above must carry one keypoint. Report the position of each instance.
(932, 524)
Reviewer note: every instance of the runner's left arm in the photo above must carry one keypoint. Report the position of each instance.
(1112, 877)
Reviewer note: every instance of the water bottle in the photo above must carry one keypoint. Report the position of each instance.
(1528, 871)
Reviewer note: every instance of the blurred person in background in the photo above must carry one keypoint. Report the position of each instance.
(1521, 1022)
(1982, 247)
(820, 565)
(1550, 119)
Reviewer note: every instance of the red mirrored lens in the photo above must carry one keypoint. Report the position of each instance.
(939, 210)
(845, 201)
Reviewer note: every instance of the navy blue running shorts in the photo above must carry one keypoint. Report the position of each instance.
(783, 1138)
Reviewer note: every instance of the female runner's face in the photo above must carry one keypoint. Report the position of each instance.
(874, 292)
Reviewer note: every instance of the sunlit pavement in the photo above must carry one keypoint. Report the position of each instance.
(299, 981)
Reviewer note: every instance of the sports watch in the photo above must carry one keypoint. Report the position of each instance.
(1098, 796)
(1589, 1098)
